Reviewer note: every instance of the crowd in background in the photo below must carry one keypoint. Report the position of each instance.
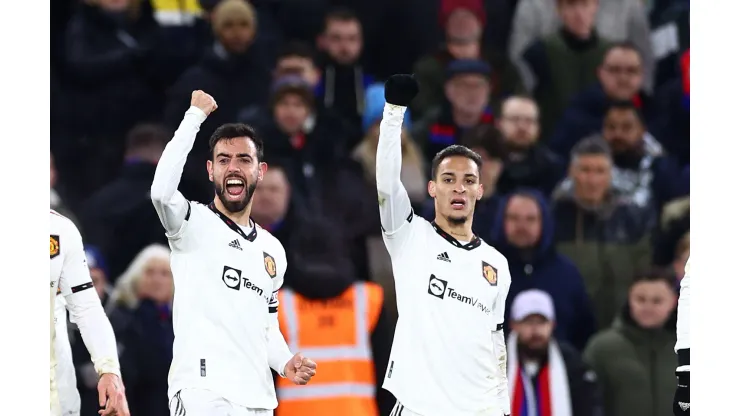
(579, 109)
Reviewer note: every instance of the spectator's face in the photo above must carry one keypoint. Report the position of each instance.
(651, 303)
(236, 35)
(623, 130)
(156, 282)
(114, 5)
(523, 222)
(300, 66)
(621, 73)
(456, 189)
(578, 16)
(463, 35)
(291, 113)
(235, 172)
(592, 177)
(99, 281)
(343, 41)
(533, 333)
(468, 93)
(271, 198)
(520, 122)
(490, 171)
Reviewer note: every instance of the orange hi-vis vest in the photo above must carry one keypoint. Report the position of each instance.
(335, 333)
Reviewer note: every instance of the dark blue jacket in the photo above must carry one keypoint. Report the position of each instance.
(549, 271)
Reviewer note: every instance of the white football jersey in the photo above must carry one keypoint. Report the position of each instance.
(69, 397)
(226, 281)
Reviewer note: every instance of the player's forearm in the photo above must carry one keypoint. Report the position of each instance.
(393, 199)
(278, 353)
(682, 326)
(502, 388)
(95, 328)
(170, 204)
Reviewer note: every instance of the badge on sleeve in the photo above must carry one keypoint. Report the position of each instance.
(270, 267)
(490, 274)
(53, 246)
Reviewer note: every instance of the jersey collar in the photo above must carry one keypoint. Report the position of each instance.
(474, 243)
(235, 227)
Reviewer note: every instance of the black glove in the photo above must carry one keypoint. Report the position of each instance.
(400, 89)
(681, 399)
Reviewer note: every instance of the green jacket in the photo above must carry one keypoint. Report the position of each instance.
(636, 368)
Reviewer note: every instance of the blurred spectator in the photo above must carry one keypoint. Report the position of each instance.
(140, 310)
(55, 201)
(110, 213)
(87, 377)
(675, 222)
(528, 163)
(413, 175)
(463, 22)
(607, 237)
(678, 267)
(467, 103)
(322, 306)
(297, 58)
(617, 20)
(669, 21)
(564, 63)
(343, 80)
(671, 121)
(111, 47)
(634, 359)
(524, 234)
(233, 71)
(485, 140)
(620, 76)
(540, 365)
(271, 203)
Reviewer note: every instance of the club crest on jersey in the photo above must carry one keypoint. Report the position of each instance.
(270, 266)
(53, 246)
(490, 274)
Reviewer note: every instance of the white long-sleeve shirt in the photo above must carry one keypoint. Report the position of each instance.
(70, 275)
(448, 356)
(226, 281)
(683, 343)
(69, 397)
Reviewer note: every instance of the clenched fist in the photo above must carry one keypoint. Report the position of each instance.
(203, 101)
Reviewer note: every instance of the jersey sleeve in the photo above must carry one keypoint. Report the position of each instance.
(172, 207)
(395, 206)
(278, 353)
(499, 342)
(682, 326)
(84, 304)
(499, 308)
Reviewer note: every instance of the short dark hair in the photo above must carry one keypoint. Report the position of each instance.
(341, 14)
(146, 135)
(486, 137)
(296, 48)
(591, 146)
(652, 275)
(625, 44)
(626, 106)
(455, 150)
(234, 130)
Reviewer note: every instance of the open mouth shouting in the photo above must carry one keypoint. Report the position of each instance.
(235, 188)
(458, 203)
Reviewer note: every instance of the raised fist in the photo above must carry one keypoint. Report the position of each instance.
(400, 89)
(203, 101)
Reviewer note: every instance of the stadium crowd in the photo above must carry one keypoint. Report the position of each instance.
(579, 108)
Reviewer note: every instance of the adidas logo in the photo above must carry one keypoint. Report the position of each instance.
(683, 406)
(444, 257)
(235, 244)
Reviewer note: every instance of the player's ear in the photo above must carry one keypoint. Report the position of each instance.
(261, 171)
(209, 167)
(479, 195)
(432, 189)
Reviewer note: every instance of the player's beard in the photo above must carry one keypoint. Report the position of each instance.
(235, 206)
(452, 220)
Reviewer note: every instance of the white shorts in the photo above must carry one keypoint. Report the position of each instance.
(195, 402)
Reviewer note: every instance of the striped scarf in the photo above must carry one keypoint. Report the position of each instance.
(685, 79)
(445, 133)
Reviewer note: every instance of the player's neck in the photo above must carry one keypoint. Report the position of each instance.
(463, 232)
(241, 217)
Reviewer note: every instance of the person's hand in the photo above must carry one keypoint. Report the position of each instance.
(299, 370)
(112, 396)
(681, 399)
(203, 101)
(400, 89)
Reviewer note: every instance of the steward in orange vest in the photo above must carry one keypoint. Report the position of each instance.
(349, 338)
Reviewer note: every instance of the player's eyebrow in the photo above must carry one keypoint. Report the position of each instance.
(236, 155)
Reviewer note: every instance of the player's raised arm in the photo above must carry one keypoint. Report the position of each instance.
(87, 312)
(171, 205)
(499, 342)
(395, 206)
(681, 400)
